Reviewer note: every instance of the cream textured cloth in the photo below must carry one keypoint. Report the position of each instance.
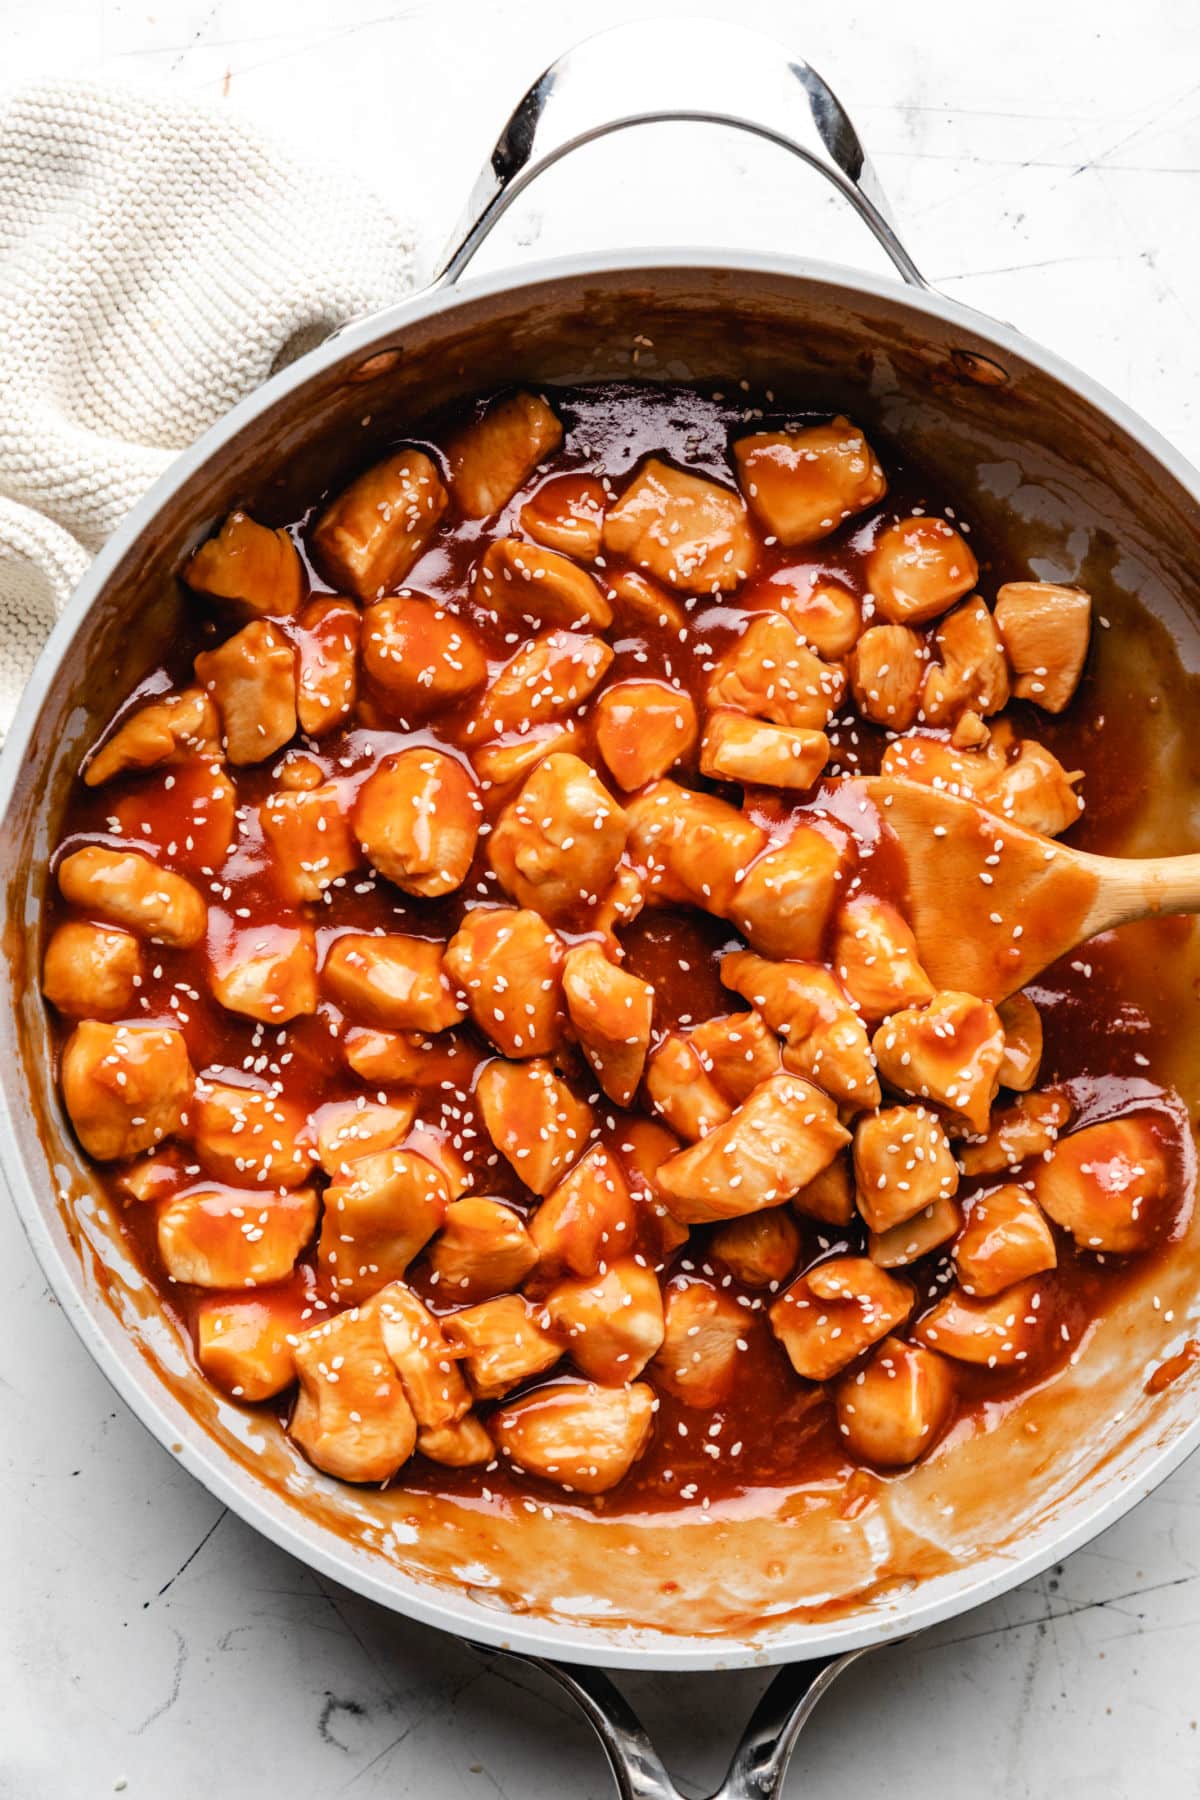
(157, 261)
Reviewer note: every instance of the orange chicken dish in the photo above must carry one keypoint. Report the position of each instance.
(489, 994)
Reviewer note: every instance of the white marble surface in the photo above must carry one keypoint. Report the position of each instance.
(1045, 163)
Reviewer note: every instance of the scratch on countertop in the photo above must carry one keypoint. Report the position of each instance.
(181, 1656)
(1055, 1613)
(223, 1514)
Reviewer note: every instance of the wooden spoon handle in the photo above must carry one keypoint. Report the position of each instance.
(1141, 887)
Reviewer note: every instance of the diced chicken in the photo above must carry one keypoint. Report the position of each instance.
(1108, 1185)
(351, 1417)
(776, 1141)
(902, 1162)
(803, 484)
(876, 958)
(497, 453)
(620, 905)
(756, 753)
(378, 1216)
(918, 568)
(91, 971)
(611, 1012)
(502, 765)
(611, 1323)
(1045, 630)
(123, 887)
(266, 972)
(417, 818)
(328, 683)
(786, 899)
(533, 1119)
(893, 1411)
(970, 732)
(829, 1196)
(887, 667)
(126, 1087)
(249, 563)
(836, 1311)
(760, 1249)
(369, 537)
(525, 588)
(422, 1357)
(349, 1129)
(229, 1237)
(463, 1444)
(483, 1249)
(704, 1331)
(972, 675)
(824, 1038)
(738, 1050)
(509, 963)
(547, 678)
(1027, 1128)
(502, 1343)
(913, 1238)
(252, 678)
(686, 531)
(394, 981)
(567, 513)
(828, 617)
(244, 1346)
(692, 847)
(1005, 1239)
(556, 846)
(587, 1221)
(582, 1437)
(409, 1056)
(189, 813)
(643, 728)
(936, 764)
(949, 1052)
(643, 1148)
(422, 656)
(998, 1333)
(433, 1143)
(641, 605)
(310, 840)
(679, 1088)
(1035, 791)
(251, 1137)
(164, 731)
(1022, 1059)
(771, 674)
(154, 1177)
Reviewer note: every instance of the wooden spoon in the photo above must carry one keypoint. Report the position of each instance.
(991, 904)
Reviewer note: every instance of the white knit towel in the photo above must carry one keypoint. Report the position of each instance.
(157, 261)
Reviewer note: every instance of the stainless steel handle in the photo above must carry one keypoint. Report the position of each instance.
(675, 69)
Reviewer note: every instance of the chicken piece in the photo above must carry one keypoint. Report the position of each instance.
(1022, 1058)
(91, 971)
(548, 677)
(502, 1343)
(760, 1249)
(567, 513)
(687, 531)
(351, 1417)
(913, 1238)
(434, 1145)
(641, 605)
(463, 1444)
(587, 1221)
(679, 1088)
(902, 1163)
(973, 674)
(894, 1410)
(1027, 1128)
(612, 1323)
(244, 1346)
(502, 765)
(230, 1237)
(804, 484)
(349, 1129)
(556, 846)
(643, 728)
(422, 1357)
(771, 674)
(378, 1216)
(949, 1052)
(1035, 791)
(310, 840)
(533, 1119)
(704, 1333)
(757, 753)
(998, 1333)
(1005, 1239)
(494, 455)
(154, 1177)
(620, 905)
(252, 679)
(824, 1038)
(786, 899)
(829, 1196)
(125, 1087)
(368, 538)
(582, 1437)
(887, 667)
(692, 847)
(836, 1311)
(165, 731)
(385, 1057)
(936, 764)
(422, 656)
(482, 1250)
(394, 981)
(738, 1050)
(122, 887)
(524, 587)
(248, 1135)
(918, 568)
(509, 965)
(776, 1141)
(970, 732)
(417, 818)
(828, 618)
(1108, 1185)
(1045, 629)
(611, 1013)
(327, 688)
(249, 563)
(643, 1148)
(876, 958)
(266, 972)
